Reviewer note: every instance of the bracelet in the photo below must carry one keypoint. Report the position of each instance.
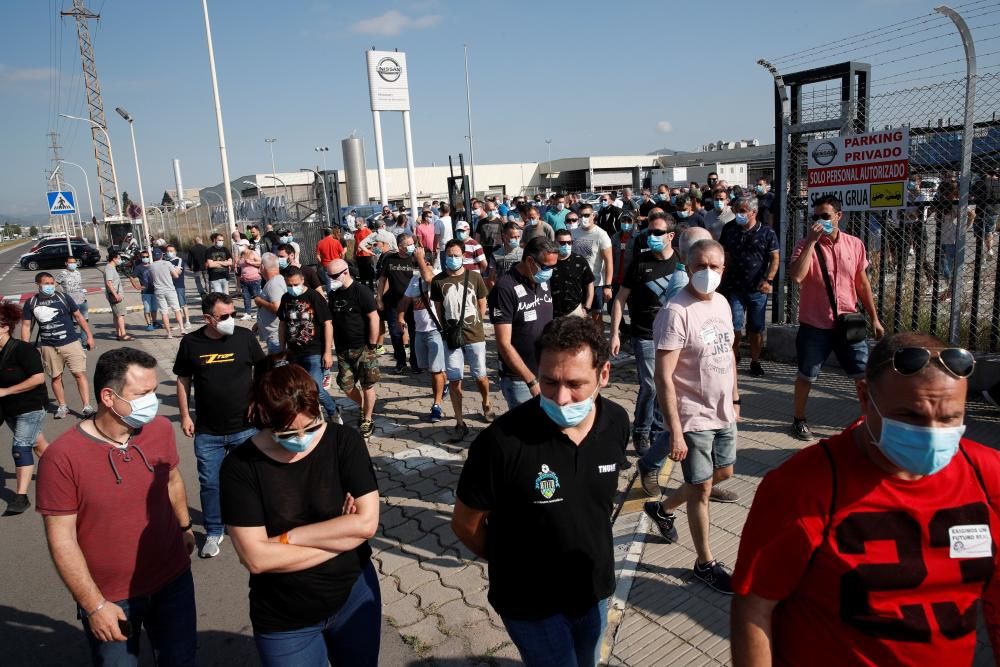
(737, 401)
(533, 382)
(186, 528)
(284, 538)
(99, 607)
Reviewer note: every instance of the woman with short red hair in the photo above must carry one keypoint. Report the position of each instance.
(300, 502)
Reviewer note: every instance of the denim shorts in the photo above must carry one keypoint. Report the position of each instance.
(26, 427)
(149, 303)
(707, 452)
(473, 354)
(813, 346)
(181, 296)
(748, 308)
(430, 350)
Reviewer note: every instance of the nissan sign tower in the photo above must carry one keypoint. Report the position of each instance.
(389, 90)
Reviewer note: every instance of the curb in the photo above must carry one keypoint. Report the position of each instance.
(129, 309)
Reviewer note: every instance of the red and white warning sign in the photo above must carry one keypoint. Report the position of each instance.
(865, 171)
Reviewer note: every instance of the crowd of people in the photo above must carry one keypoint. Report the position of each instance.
(560, 288)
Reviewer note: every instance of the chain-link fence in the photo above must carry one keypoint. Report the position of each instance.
(914, 251)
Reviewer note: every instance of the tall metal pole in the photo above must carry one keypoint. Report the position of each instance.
(270, 145)
(138, 176)
(954, 332)
(111, 159)
(411, 175)
(86, 180)
(383, 193)
(468, 107)
(76, 200)
(548, 175)
(218, 121)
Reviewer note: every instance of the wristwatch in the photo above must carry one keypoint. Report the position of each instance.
(533, 382)
(186, 528)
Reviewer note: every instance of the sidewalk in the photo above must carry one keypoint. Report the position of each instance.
(669, 618)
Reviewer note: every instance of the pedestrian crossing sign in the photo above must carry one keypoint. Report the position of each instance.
(61, 203)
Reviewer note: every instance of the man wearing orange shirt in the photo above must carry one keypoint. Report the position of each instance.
(328, 248)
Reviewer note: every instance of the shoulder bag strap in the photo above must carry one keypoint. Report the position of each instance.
(427, 303)
(826, 280)
(465, 298)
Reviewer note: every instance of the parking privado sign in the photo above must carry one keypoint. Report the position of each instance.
(865, 171)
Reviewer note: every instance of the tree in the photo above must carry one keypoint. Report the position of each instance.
(33, 231)
(167, 200)
(125, 201)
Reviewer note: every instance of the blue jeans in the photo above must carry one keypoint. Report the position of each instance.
(647, 412)
(396, 336)
(221, 286)
(349, 637)
(250, 290)
(170, 619)
(200, 282)
(656, 456)
(313, 363)
(560, 640)
(210, 450)
(748, 308)
(514, 391)
(813, 345)
(26, 427)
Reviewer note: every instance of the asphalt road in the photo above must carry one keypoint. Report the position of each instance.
(38, 624)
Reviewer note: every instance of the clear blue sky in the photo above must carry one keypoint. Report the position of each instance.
(595, 77)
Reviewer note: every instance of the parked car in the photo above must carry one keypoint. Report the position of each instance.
(54, 256)
(53, 240)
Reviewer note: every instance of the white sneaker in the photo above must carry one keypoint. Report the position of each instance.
(61, 412)
(245, 316)
(88, 410)
(211, 547)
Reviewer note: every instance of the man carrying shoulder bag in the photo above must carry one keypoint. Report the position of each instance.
(830, 267)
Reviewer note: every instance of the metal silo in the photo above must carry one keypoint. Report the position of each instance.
(357, 174)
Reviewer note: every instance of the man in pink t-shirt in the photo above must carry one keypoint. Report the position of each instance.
(846, 264)
(695, 376)
(424, 232)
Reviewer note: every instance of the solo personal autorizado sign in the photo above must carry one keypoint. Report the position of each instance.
(865, 171)
(387, 81)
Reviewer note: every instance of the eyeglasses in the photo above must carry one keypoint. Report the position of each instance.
(658, 232)
(223, 317)
(911, 360)
(334, 276)
(312, 428)
(572, 219)
(821, 216)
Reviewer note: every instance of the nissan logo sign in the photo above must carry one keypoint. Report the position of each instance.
(825, 153)
(389, 70)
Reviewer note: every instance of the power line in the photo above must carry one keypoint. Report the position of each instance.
(927, 53)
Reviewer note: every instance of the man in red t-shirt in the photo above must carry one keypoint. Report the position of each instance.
(328, 248)
(116, 519)
(875, 547)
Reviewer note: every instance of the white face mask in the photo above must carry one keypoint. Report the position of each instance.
(227, 326)
(706, 281)
(585, 221)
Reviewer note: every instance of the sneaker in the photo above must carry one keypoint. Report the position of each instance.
(211, 547)
(723, 495)
(436, 414)
(488, 415)
(444, 394)
(245, 316)
(88, 410)
(756, 369)
(367, 428)
(399, 369)
(800, 430)
(458, 433)
(665, 524)
(650, 481)
(337, 417)
(19, 505)
(716, 575)
(61, 412)
(150, 327)
(641, 443)
(380, 349)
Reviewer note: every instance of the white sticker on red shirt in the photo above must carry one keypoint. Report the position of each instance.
(970, 541)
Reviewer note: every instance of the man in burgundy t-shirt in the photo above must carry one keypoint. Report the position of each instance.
(116, 518)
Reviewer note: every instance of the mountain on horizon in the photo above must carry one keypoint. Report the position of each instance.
(667, 151)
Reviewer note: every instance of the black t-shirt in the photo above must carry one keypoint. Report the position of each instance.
(646, 206)
(309, 276)
(349, 309)
(222, 371)
(304, 317)
(648, 277)
(527, 307)
(489, 233)
(218, 255)
(569, 280)
(397, 270)
(20, 360)
(256, 490)
(196, 257)
(548, 538)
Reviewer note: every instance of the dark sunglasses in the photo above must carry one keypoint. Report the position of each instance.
(223, 318)
(334, 276)
(308, 429)
(658, 232)
(911, 360)
(822, 216)
(572, 219)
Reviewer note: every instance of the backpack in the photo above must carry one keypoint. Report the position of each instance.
(33, 302)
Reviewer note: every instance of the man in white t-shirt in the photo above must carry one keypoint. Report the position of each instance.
(696, 385)
(593, 244)
(443, 231)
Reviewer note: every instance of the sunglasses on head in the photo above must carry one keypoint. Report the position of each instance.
(293, 432)
(821, 216)
(911, 360)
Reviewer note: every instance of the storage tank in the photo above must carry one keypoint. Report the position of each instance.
(356, 173)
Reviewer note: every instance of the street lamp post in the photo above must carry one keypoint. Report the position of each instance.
(288, 194)
(323, 150)
(138, 174)
(114, 172)
(270, 145)
(548, 176)
(468, 106)
(79, 219)
(90, 201)
(162, 226)
(231, 215)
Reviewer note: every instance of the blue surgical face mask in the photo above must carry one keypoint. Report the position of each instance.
(297, 443)
(626, 226)
(146, 260)
(683, 214)
(143, 410)
(661, 197)
(71, 267)
(282, 262)
(673, 199)
(920, 450)
(513, 242)
(453, 262)
(284, 239)
(759, 189)
(827, 226)
(47, 290)
(565, 249)
(719, 204)
(296, 290)
(461, 235)
(542, 276)
(569, 415)
(409, 248)
(171, 255)
(655, 243)
(742, 219)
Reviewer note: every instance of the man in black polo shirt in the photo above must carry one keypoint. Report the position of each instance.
(752, 258)
(643, 289)
(218, 359)
(394, 274)
(535, 499)
(572, 280)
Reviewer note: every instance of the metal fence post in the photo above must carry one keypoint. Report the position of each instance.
(965, 180)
